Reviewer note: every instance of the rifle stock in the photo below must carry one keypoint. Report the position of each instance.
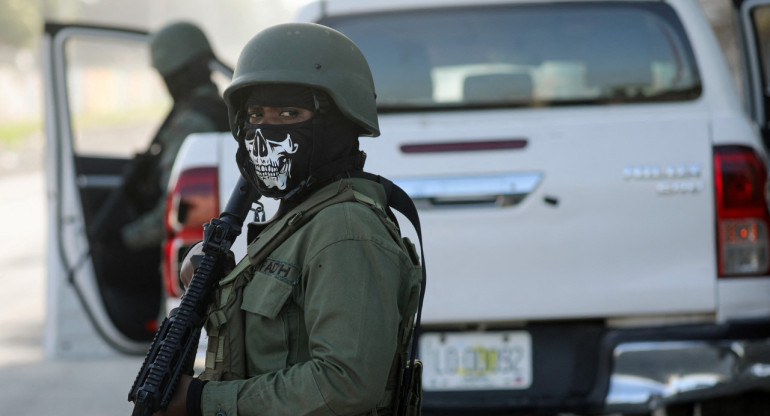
(173, 349)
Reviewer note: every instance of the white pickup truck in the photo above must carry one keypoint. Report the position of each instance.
(592, 188)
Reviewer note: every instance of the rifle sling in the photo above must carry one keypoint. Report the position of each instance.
(399, 200)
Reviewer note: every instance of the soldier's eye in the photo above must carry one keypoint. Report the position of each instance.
(255, 115)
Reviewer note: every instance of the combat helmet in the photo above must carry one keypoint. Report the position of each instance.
(176, 45)
(312, 55)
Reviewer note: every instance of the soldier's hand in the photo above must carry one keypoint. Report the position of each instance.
(190, 263)
(178, 404)
(192, 260)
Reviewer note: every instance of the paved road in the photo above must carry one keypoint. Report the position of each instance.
(29, 384)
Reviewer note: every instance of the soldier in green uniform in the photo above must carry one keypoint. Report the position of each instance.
(316, 319)
(181, 53)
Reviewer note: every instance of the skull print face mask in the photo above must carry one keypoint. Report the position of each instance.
(279, 155)
(287, 160)
(271, 158)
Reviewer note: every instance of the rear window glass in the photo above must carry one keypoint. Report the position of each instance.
(525, 55)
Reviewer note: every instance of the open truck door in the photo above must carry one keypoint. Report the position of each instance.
(754, 34)
(103, 103)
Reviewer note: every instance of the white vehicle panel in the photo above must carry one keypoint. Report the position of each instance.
(649, 163)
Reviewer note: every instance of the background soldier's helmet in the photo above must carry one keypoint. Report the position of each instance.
(177, 45)
(312, 55)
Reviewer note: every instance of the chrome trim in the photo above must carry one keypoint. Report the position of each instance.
(500, 190)
(661, 172)
(649, 375)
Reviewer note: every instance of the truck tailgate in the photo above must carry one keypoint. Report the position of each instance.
(558, 242)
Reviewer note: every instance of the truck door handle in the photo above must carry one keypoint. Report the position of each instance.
(497, 190)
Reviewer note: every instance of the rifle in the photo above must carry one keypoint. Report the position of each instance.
(173, 349)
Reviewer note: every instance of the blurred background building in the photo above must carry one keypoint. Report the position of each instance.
(228, 24)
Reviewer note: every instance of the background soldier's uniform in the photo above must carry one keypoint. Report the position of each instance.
(181, 53)
(202, 111)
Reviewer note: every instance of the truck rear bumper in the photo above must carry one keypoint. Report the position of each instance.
(585, 367)
(647, 375)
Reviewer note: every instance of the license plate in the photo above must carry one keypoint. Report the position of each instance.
(476, 361)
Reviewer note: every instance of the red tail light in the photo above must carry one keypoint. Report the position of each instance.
(192, 202)
(742, 215)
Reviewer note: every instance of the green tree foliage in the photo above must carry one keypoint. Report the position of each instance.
(20, 22)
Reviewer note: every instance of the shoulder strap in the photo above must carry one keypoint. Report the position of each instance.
(399, 200)
(292, 221)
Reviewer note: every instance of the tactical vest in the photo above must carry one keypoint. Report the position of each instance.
(225, 356)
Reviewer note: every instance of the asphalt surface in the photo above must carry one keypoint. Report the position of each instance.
(30, 384)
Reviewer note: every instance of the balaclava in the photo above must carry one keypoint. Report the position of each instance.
(183, 81)
(286, 161)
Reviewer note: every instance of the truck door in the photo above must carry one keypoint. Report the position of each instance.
(754, 34)
(104, 103)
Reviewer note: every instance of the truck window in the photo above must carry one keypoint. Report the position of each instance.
(525, 55)
(117, 100)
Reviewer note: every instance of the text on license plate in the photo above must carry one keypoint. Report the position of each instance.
(476, 361)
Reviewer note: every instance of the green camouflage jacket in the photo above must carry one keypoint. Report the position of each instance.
(319, 324)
